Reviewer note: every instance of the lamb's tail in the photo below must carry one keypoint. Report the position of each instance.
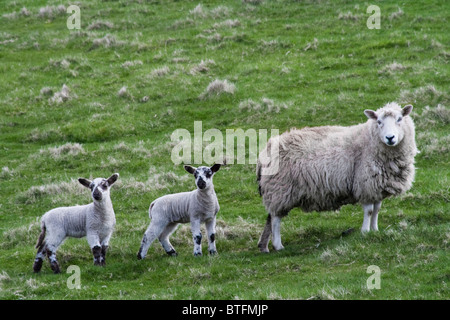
(150, 209)
(41, 236)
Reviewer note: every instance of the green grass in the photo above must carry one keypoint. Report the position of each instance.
(316, 61)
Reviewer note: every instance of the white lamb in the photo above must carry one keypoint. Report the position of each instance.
(96, 221)
(323, 168)
(200, 205)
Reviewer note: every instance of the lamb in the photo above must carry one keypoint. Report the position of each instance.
(324, 168)
(196, 207)
(96, 221)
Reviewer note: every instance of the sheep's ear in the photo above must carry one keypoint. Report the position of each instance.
(113, 179)
(85, 182)
(407, 110)
(371, 114)
(190, 169)
(215, 167)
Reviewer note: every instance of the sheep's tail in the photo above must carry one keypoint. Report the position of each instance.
(41, 236)
(258, 177)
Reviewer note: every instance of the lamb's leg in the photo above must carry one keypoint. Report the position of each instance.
(94, 242)
(374, 217)
(40, 256)
(368, 210)
(51, 254)
(153, 231)
(263, 243)
(197, 237)
(211, 232)
(164, 239)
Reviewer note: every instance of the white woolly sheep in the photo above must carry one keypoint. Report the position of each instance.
(196, 207)
(324, 168)
(95, 221)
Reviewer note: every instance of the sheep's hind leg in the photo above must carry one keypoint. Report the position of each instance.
(263, 243)
(276, 236)
(40, 256)
(51, 254)
(164, 239)
(152, 232)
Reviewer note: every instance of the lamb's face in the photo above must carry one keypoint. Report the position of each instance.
(390, 122)
(99, 186)
(203, 175)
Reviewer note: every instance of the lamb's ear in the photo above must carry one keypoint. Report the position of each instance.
(215, 167)
(113, 179)
(371, 114)
(85, 182)
(190, 169)
(407, 110)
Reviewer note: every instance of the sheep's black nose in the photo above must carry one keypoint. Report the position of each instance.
(201, 184)
(389, 139)
(97, 195)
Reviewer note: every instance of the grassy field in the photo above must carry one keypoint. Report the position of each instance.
(106, 98)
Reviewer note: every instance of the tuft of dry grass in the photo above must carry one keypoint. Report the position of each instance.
(392, 68)
(426, 95)
(108, 41)
(128, 64)
(157, 180)
(100, 25)
(68, 149)
(202, 67)
(160, 72)
(396, 15)
(61, 192)
(349, 16)
(265, 106)
(6, 173)
(218, 87)
(50, 12)
(61, 96)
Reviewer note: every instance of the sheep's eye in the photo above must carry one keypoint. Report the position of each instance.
(91, 186)
(379, 122)
(399, 119)
(208, 174)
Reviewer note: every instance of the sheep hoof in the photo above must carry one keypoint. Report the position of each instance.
(139, 256)
(172, 253)
(279, 248)
(264, 250)
(198, 254)
(212, 252)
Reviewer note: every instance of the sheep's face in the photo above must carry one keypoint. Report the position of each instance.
(203, 175)
(390, 123)
(100, 186)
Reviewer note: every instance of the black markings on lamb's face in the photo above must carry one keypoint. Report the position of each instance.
(203, 177)
(99, 186)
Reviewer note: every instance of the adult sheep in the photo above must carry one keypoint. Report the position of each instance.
(324, 168)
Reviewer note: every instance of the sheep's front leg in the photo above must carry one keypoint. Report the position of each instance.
(104, 249)
(94, 242)
(374, 217)
(197, 237)
(368, 210)
(211, 231)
